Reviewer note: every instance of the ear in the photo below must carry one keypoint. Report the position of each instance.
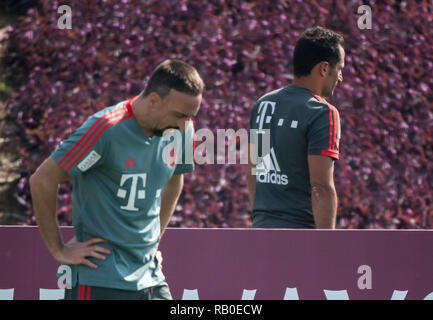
(154, 99)
(324, 68)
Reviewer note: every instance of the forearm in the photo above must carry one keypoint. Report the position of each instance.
(324, 203)
(44, 198)
(169, 197)
(43, 187)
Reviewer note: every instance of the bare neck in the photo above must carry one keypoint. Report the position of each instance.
(308, 83)
(143, 115)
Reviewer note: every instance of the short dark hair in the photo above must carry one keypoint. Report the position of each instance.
(315, 45)
(174, 74)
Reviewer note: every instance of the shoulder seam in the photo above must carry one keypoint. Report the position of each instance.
(323, 100)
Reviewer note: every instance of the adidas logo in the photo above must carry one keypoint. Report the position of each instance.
(130, 163)
(268, 170)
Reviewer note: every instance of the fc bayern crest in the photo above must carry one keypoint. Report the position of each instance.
(170, 157)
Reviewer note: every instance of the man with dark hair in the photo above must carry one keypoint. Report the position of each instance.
(124, 193)
(292, 186)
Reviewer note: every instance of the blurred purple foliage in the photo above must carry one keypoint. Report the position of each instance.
(242, 49)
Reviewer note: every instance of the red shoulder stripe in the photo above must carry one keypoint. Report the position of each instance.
(98, 121)
(331, 128)
(125, 116)
(334, 124)
(89, 134)
(336, 127)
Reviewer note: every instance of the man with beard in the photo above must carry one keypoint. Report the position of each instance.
(292, 185)
(124, 189)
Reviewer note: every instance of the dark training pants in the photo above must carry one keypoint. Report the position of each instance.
(83, 292)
